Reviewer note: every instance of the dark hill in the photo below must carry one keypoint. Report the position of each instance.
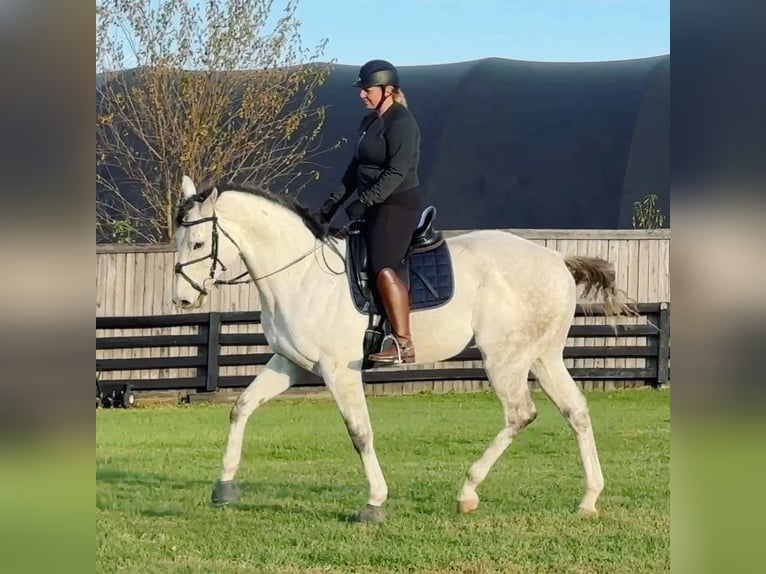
(518, 144)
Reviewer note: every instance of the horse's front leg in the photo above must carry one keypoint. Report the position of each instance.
(346, 387)
(277, 375)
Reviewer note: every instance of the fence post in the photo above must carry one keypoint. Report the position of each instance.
(653, 362)
(663, 350)
(203, 329)
(213, 348)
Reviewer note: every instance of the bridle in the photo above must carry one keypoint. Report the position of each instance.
(213, 255)
(215, 261)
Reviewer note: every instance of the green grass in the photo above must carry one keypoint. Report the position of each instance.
(301, 480)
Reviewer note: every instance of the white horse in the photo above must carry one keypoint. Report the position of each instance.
(514, 297)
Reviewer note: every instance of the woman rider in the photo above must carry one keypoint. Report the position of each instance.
(384, 174)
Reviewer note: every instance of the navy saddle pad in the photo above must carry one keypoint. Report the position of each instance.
(428, 274)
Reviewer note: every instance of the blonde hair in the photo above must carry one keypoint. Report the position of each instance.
(398, 97)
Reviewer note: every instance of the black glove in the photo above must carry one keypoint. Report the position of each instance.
(355, 209)
(327, 210)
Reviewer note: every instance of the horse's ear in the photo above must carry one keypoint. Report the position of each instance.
(213, 196)
(187, 187)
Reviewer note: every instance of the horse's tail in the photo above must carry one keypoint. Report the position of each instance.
(598, 276)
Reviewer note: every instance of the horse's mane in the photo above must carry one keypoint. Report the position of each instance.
(285, 200)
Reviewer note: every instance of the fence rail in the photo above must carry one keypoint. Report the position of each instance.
(210, 350)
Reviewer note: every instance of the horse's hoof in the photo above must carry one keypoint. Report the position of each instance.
(371, 514)
(466, 506)
(225, 492)
(587, 512)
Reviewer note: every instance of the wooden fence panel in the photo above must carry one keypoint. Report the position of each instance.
(641, 259)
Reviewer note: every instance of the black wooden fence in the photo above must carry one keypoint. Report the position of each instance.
(210, 342)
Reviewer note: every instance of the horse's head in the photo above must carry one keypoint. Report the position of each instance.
(204, 249)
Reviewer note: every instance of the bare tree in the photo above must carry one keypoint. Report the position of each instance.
(205, 89)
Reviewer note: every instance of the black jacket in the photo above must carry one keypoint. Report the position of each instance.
(386, 158)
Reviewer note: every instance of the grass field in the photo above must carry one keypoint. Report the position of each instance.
(301, 480)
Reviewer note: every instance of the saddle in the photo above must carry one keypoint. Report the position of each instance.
(427, 273)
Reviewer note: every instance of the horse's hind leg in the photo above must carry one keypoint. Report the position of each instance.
(277, 375)
(555, 380)
(508, 376)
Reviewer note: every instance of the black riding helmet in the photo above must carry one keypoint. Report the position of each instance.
(377, 73)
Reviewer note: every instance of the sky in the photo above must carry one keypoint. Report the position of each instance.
(420, 32)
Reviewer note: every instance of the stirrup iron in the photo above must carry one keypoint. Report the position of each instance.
(400, 350)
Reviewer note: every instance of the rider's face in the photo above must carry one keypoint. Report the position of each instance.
(373, 95)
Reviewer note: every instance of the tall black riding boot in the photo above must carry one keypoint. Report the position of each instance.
(396, 301)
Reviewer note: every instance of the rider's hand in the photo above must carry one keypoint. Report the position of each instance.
(327, 210)
(355, 210)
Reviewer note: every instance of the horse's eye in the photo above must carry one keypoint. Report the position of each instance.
(197, 245)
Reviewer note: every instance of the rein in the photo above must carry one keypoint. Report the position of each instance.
(215, 261)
